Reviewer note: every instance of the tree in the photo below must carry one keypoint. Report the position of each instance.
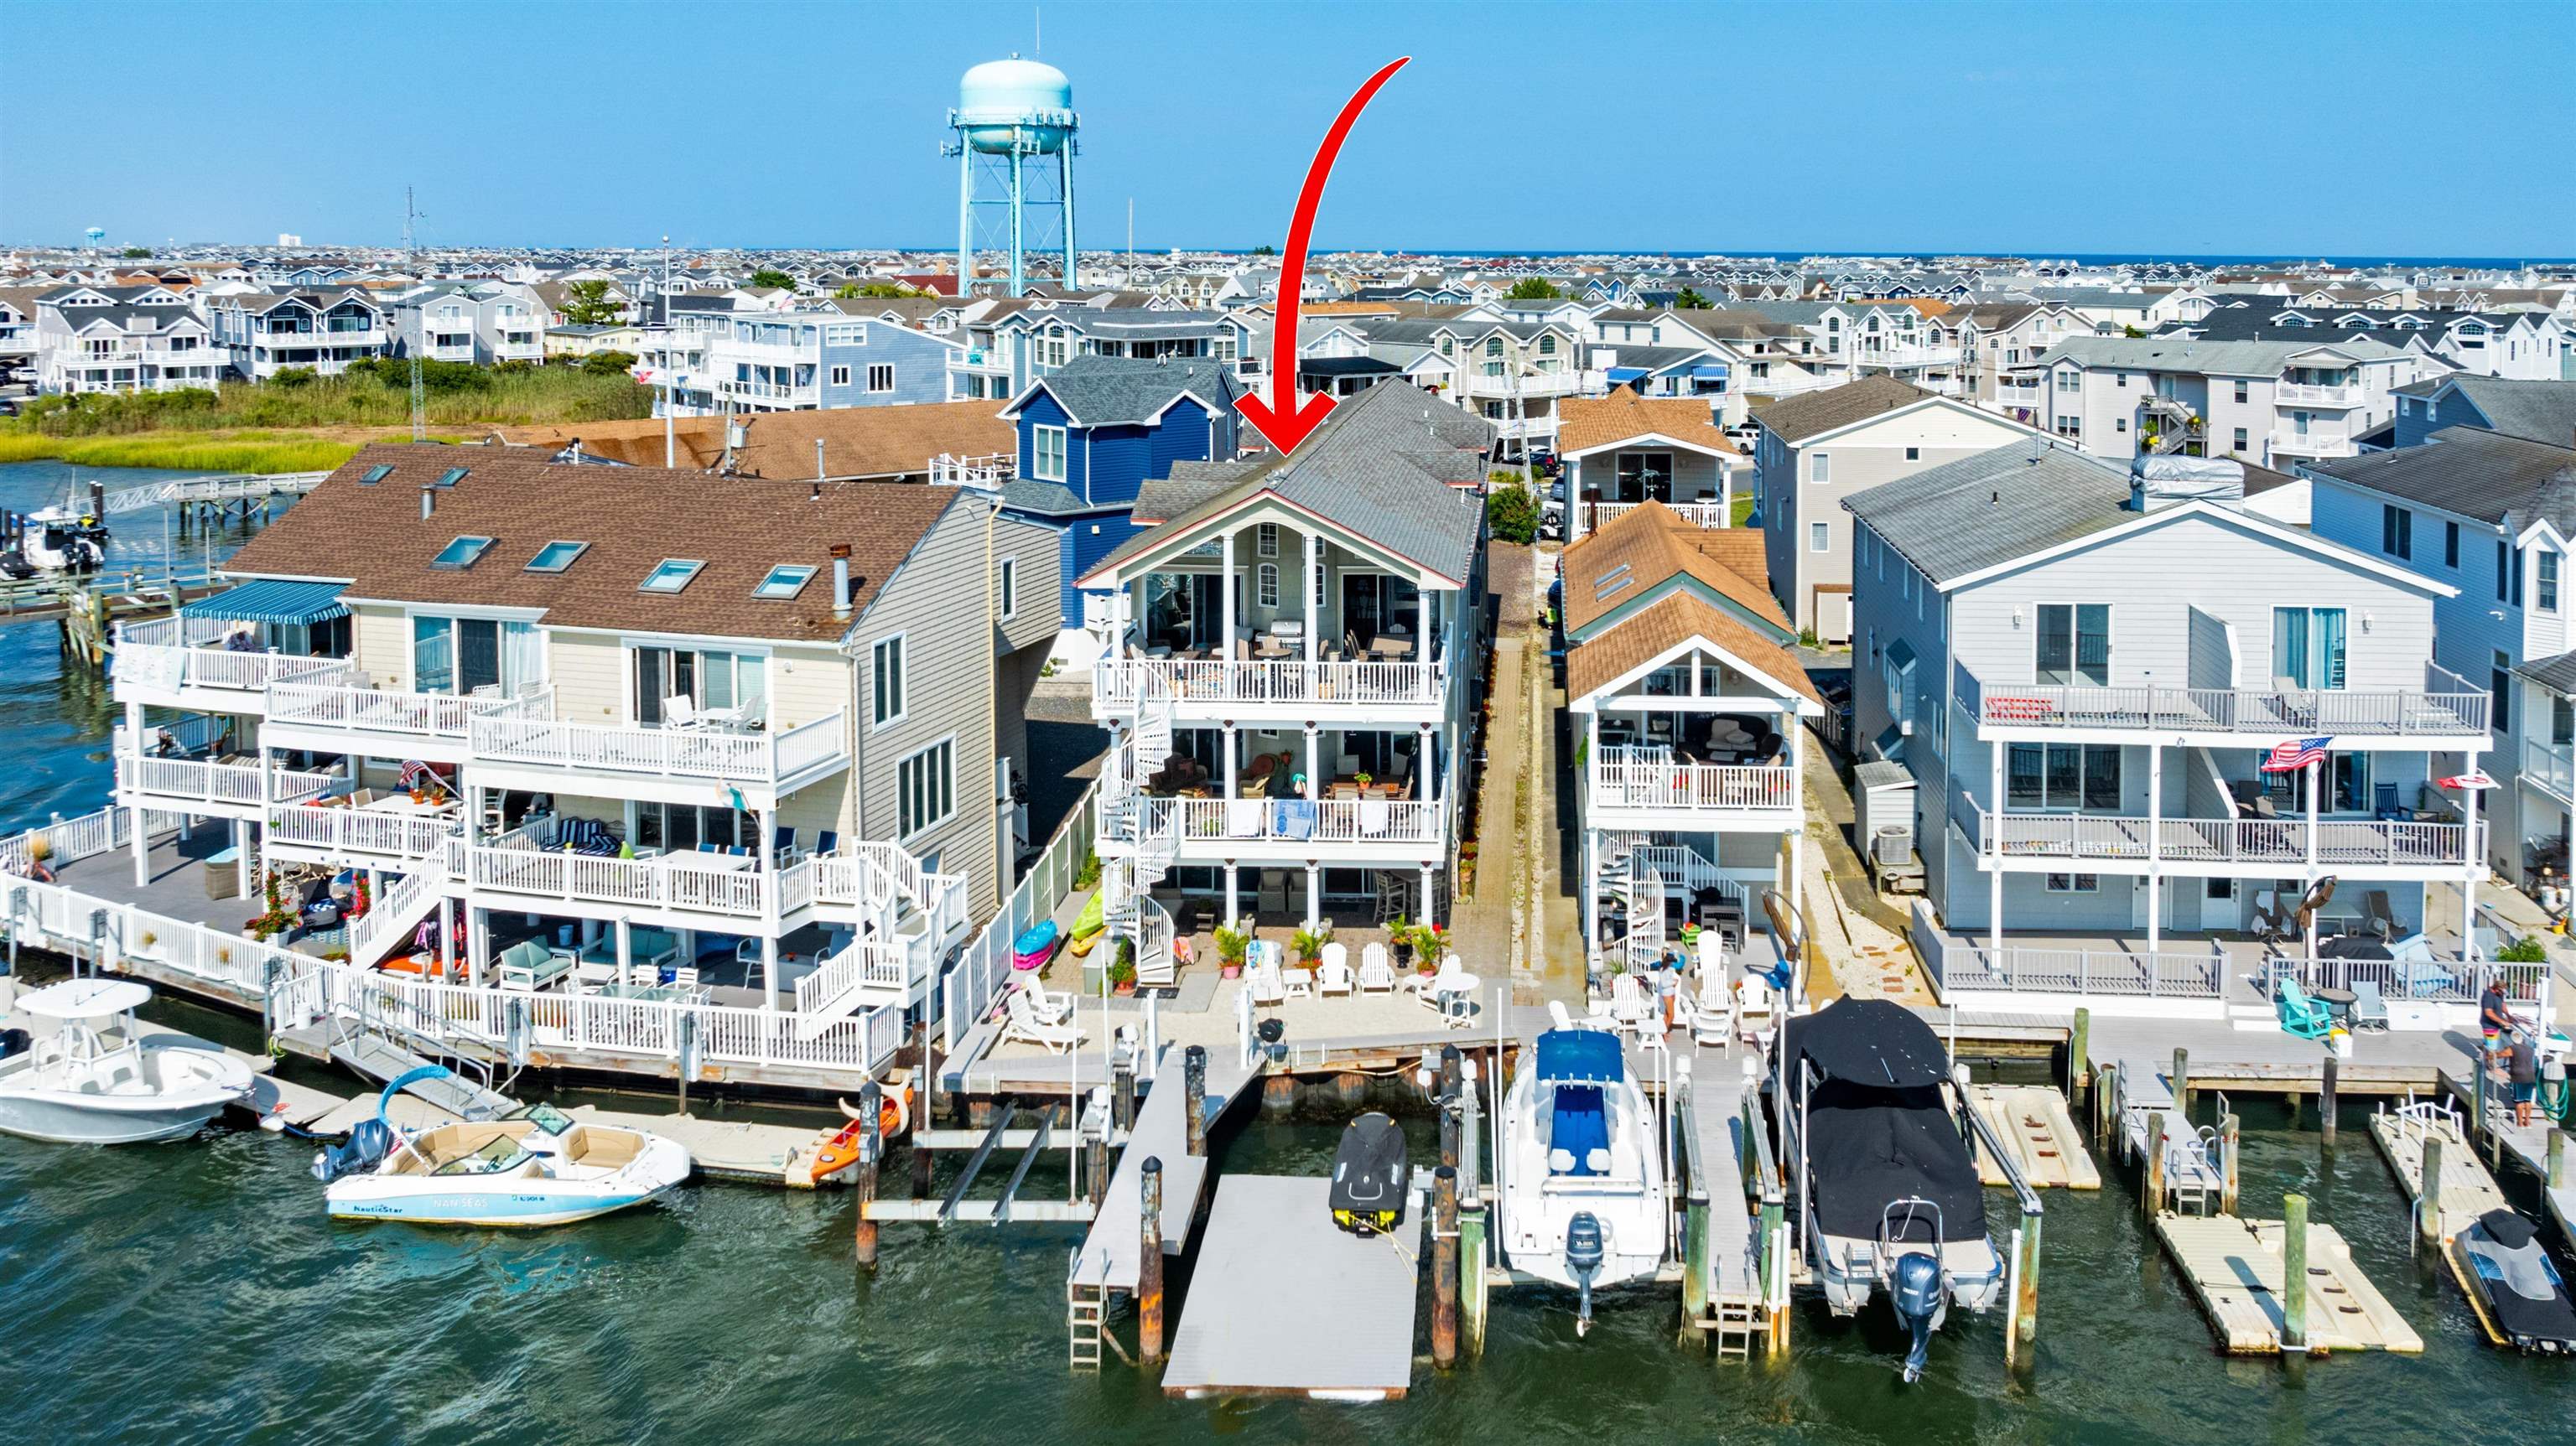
(773, 277)
(1690, 300)
(1511, 512)
(137, 253)
(1265, 250)
(586, 303)
(608, 363)
(853, 291)
(1533, 288)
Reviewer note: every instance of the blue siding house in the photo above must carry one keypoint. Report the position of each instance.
(1093, 432)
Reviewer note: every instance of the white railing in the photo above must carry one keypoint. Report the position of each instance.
(372, 935)
(862, 964)
(1907, 356)
(69, 840)
(1330, 820)
(361, 830)
(2313, 444)
(676, 882)
(153, 665)
(1117, 681)
(2442, 981)
(2448, 707)
(2294, 394)
(1621, 779)
(1706, 514)
(2549, 766)
(2025, 970)
(764, 758)
(985, 473)
(968, 992)
(2251, 841)
(193, 780)
(376, 710)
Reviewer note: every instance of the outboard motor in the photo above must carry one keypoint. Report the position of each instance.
(1584, 1250)
(369, 1142)
(1917, 1293)
(15, 1041)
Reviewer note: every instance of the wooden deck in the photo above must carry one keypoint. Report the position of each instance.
(1285, 1303)
(2035, 1122)
(2467, 1190)
(2234, 1268)
(1110, 1252)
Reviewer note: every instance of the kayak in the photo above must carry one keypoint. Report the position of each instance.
(1035, 945)
(1094, 917)
(894, 1116)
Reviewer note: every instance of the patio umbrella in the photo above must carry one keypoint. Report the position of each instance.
(1872, 1042)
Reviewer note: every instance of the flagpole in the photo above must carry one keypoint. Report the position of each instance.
(2316, 767)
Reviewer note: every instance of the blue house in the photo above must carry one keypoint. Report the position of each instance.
(1094, 431)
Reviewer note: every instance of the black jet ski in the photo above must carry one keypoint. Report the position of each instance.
(2510, 1279)
(1370, 1174)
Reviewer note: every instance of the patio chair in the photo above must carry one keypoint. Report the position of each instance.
(1049, 1006)
(1377, 975)
(1757, 1011)
(2301, 1016)
(1333, 972)
(1710, 1012)
(1021, 1022)
(782, 846)
(826, 844)
(1263, 977)
(1631, 1007)
(2369, 1010)
(685, 976)
(681, 712)
(2376, 915)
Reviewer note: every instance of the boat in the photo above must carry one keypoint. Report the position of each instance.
(533, 1166)
(1372, 1173)
(1888, 1192)
(2516, 1291)
(1583, 1183)
(841, 1151)
(88, 1085)
(58, 539)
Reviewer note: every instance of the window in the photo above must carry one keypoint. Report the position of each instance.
(556, 556)
(460, 554)
(784, 581)
(375, 474)
(451, 477)
(1644, 476)
(1913, 454)
(881, 377)
(2504, 571)
(2548, 582)
(2347, 777)
(1265, 589)
(670, 575)
(1819, 468)
(2500, 684)
(2063, 776)
(2070, 380)
(2119, 424)
(1493, 346)
(707, 679)
(887, 664)
(1817, 537)
(2240, 391)
(2562, 721)
(2308, 646)
(1265, 539)
(840, 376)
(2070, 426)
(1320, 576)
(926, 787)
(1010, 586)
(1046, 453)
(2240, 440)
(2075, 644)
(2396, 530)
(2074, 883)
(2451, 544)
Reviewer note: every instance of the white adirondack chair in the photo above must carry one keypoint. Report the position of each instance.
(1022, 1023)
(1333, 972)
(1377, 974)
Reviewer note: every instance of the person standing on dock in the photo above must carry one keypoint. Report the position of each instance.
(2494, 1019)
(2522, 1069)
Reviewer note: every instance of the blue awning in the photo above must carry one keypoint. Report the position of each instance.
(1579, 1056)
(273, 600)
(1712, 372)
(1625, 374)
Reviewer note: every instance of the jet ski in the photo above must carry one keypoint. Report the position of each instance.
(2513, 1286)
(1370, 1174)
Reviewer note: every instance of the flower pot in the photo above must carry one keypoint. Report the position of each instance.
(1124, 988)
(1231, 971)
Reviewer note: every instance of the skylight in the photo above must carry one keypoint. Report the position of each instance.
(460, 554)
(555, 556)
(376, 474)
(451, 476)
(671, 574)
(784, 582)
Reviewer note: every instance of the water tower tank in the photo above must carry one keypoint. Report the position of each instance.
(96, 234)
(999, 95)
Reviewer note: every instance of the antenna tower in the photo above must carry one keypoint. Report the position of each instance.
(411, 263)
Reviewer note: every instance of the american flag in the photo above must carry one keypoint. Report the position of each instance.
(2296, 754)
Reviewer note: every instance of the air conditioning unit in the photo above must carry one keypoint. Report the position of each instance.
(1892, 844)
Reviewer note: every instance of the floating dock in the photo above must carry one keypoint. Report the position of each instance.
(2234, 1268)
(2467, 1190)
(1107, 1260)
(2034, 1122)
(2146, 1095)
(1334, 1311)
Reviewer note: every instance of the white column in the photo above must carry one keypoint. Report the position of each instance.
(1233, 745)
(1430, 896)
(1233, 892)
(2155, 843)
(2469, 870)
(1314, 895)
(1574, 515)
(1225, 641)
(625, 948)
(1314, 767)
(2315, 775)
(1314, 569)
(769, 970)
(448, 917)
(478, 945)
(1423, 776)
(1995, 751)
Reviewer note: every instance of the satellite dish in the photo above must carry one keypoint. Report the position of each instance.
(2319, 894)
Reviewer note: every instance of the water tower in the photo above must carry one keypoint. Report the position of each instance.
(1014, 144)
(96, 234)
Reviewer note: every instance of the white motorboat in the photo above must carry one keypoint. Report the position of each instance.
(85, 1084)
(534, 1166)
(1583, 1182)
(63, 538)
(1888, 1194)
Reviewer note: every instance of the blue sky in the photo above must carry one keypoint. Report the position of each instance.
(2218, 128)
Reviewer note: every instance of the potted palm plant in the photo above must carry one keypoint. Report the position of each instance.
(1429, 944)
(1232, 944)
(1309, 944)
(1399, 937)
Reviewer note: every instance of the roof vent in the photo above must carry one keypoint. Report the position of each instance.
(840, 579)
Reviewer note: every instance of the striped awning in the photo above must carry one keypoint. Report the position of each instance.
(1625, 374)
(272, 600)
(1709, 372)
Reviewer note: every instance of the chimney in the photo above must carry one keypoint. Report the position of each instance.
(428, 501)
(840, 579)
(818, 459)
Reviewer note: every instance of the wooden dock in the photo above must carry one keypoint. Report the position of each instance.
(2146, 1096)
(1107, 1260)
(2467, 1190)
(1285, 1303)
(2234, 1268)
(2034, 1122)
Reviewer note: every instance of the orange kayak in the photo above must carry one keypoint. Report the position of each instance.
(894, 1116)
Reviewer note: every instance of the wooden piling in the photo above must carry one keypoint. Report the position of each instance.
(2153, 1195)
(2326, 1101)
(1095, 1169)
(1122, 1085)
(2182, 1082)
(2428, 1200)
(2079, 1055)
(2228, 1180)
(1279, 1096)
(1694, 1255)
(1194, 1097)
(2294, 1273)
(2557, 1175)
(871, 1146)
(1350, 1089)
(2026, 1312)
(1444, 1266)
(1149, 1263)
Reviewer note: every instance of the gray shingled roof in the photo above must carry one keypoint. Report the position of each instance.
(1108, 391)
(2536, 411)
(2472, 472)
(1383, 467)
(2216, 358)
(1795, 419)
(1191, 483)
(1982, 511)
(2557, 674)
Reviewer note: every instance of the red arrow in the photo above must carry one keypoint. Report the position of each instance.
(1283, 419)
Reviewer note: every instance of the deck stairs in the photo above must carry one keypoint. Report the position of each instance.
(383, 1051)
(1127, 881)
(390, 921)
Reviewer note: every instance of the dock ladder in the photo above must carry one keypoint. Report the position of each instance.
(1086, 1315)
(1739, 1320)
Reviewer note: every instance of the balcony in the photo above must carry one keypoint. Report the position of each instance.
(768, 391)
(2292, 394)
(1225, 828)
(1908, 356)
(2312, 444)
(2263, 847)
(228, 785)
(176, 662)
(2551, 768)
(866, 880)
(378, 722)
(1649, 778)
(403, 836)
(1198, 683)
(1598, 515)
(529, 749)
(1565, 383)
(2447, 711)
(986, 473)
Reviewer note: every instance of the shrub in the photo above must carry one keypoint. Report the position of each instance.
(608, 363)
(293, 377)
(1512, 514)
(2526, 950)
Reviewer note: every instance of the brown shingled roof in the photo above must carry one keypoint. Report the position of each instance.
(1643, 636)
(1657, 545)
(632, 518)
(857, 441)
(1588, 422)
(1794, 419)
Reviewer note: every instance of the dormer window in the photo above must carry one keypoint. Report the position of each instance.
(460, 554)
(556, 556)
(670, 575)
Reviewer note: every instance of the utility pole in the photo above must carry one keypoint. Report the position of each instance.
(411, 263)
(670, 399)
